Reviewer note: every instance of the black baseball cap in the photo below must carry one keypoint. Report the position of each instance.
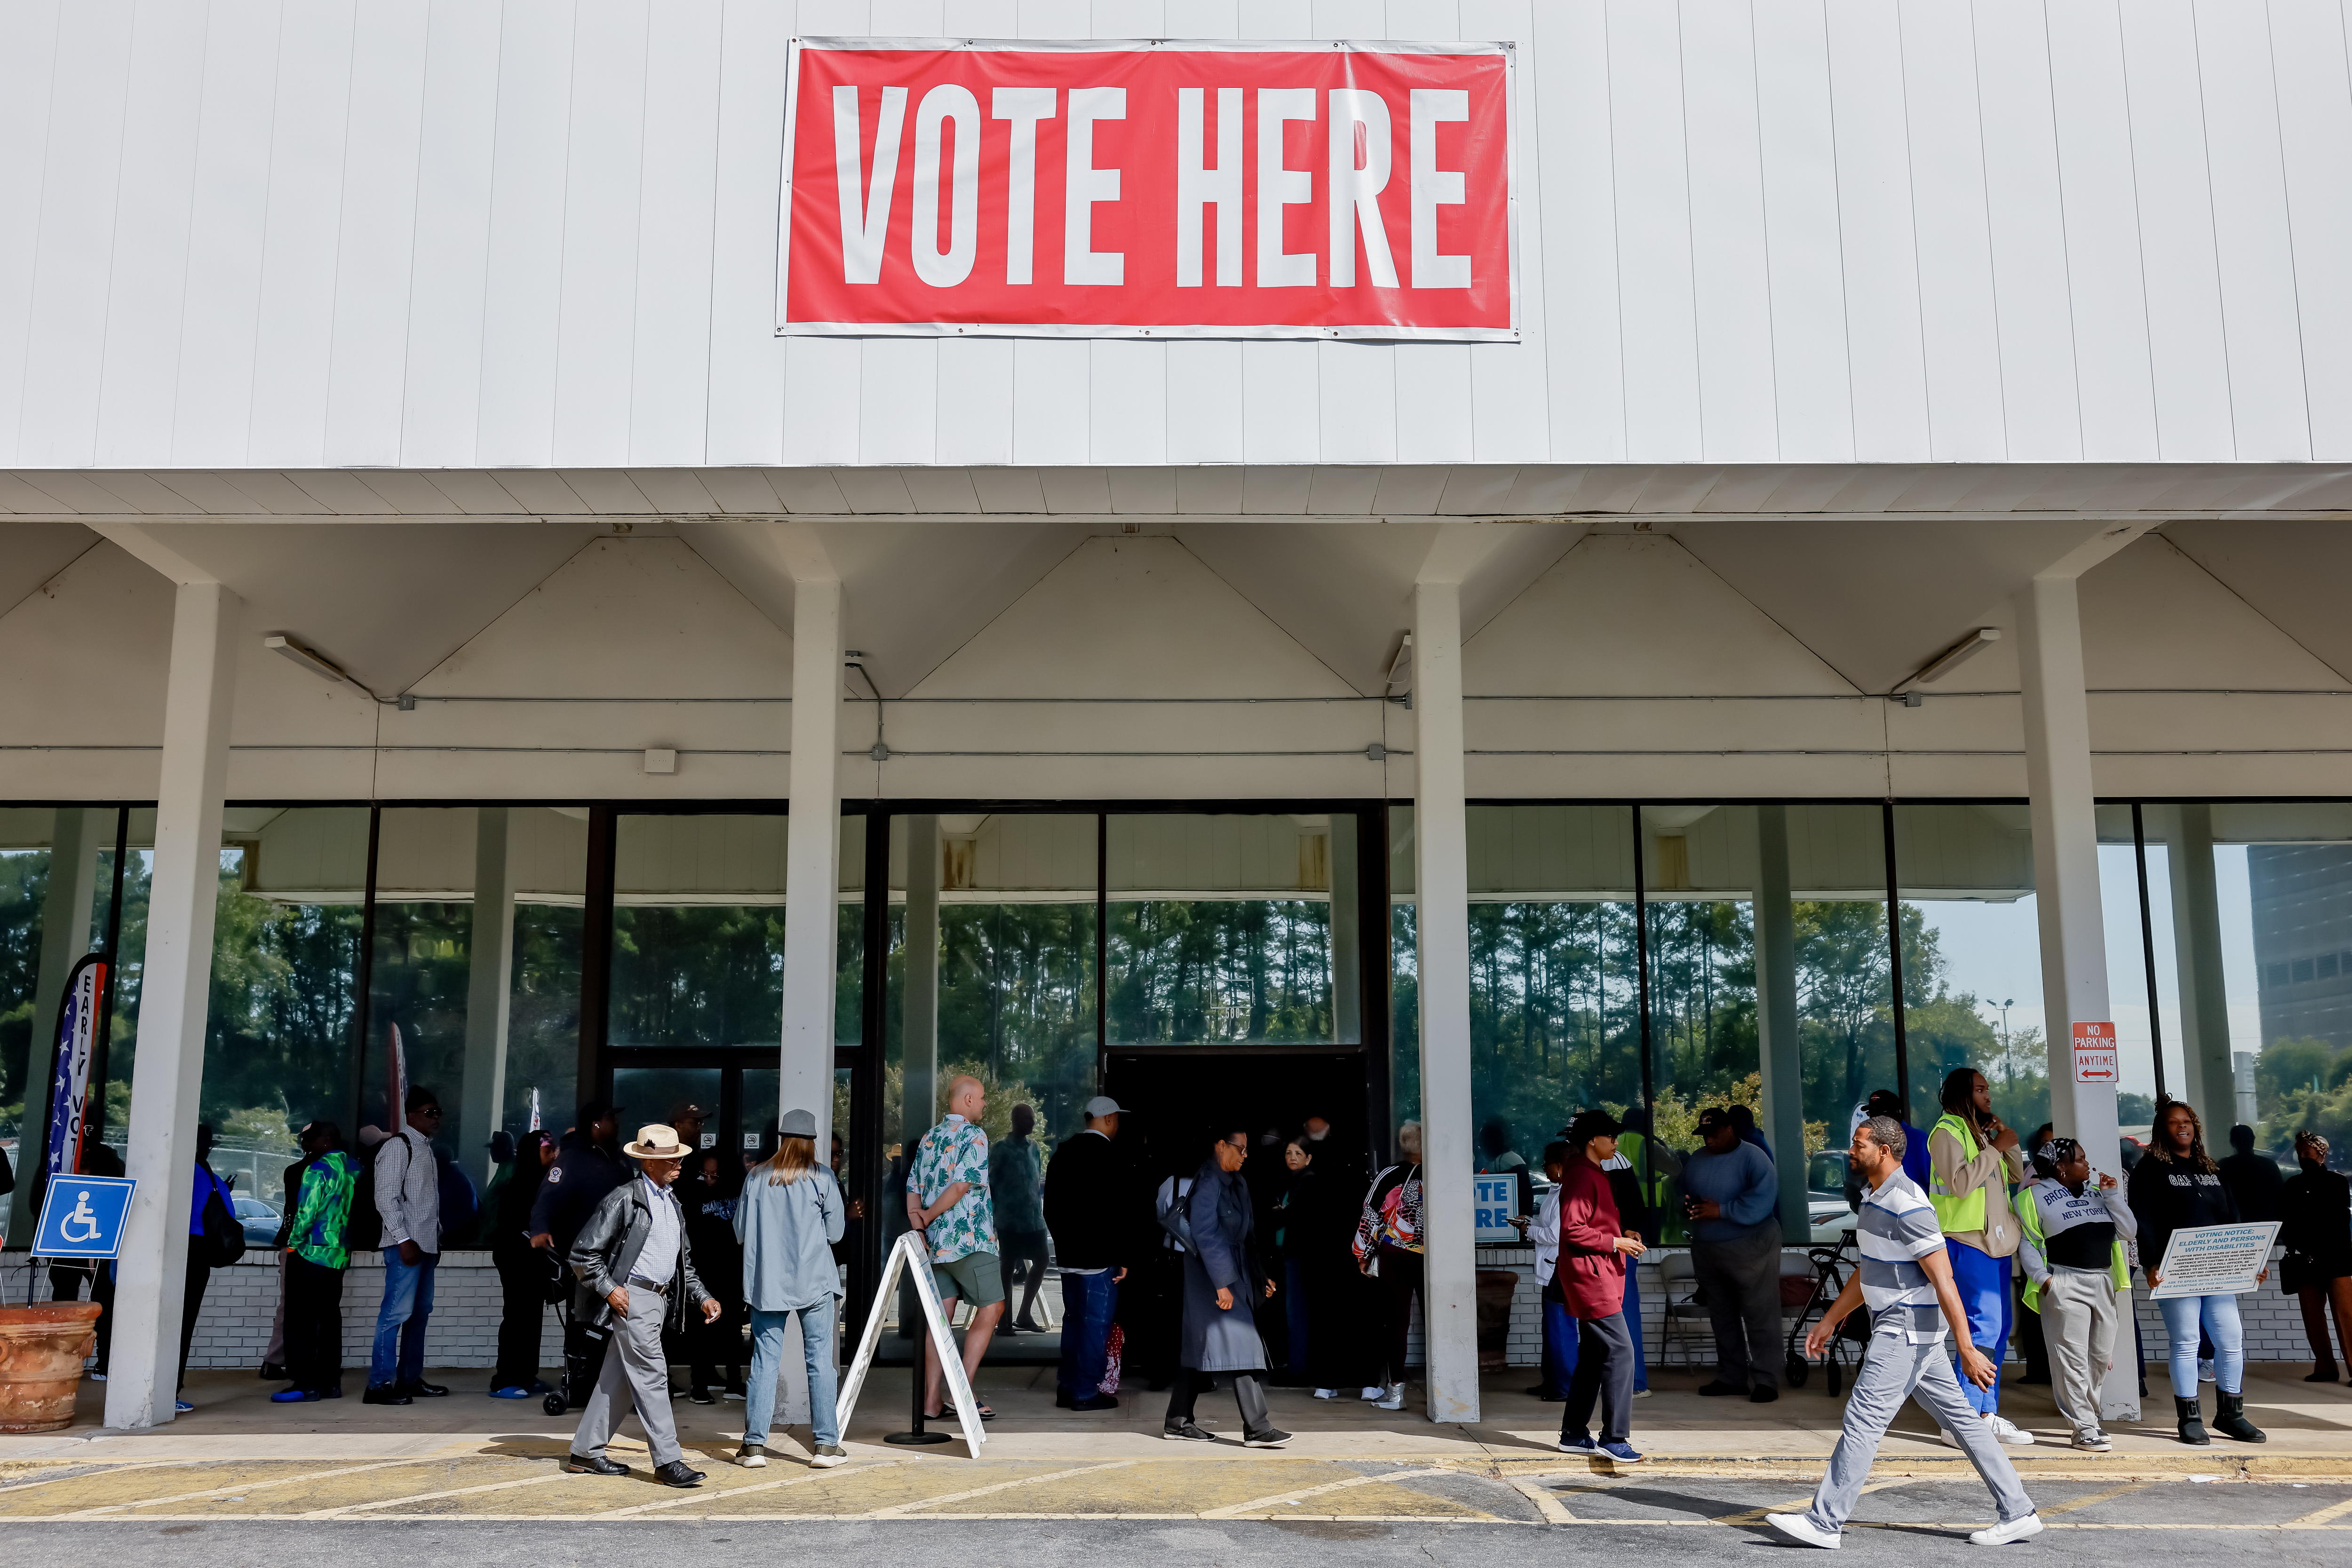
(1713, 1119)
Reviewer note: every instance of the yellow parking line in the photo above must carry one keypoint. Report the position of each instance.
(345, 1509)
(697, 1496)
(2312, 1520)
(1300, 1494)
(1546, 1501)
(897, 1509)
(2097, 1497)
(237, 1490)
(1756, 1515)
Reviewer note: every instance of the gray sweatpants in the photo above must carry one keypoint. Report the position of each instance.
(1894, 1371)
(636, 1354)
(2078, 1318)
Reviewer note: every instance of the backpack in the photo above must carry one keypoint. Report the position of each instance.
(460, 1211)
(223, 1241)
(365, 1232)
(1174, 1214)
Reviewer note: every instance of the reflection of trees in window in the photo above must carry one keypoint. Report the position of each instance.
(1017, 1004)
(698, 974)
(1217, 970)
(1845, 1005)
(1702, 995)
(1945, 1031)
(277, 1030)
(543, 1015)
(1554, 1013)
(23, 884)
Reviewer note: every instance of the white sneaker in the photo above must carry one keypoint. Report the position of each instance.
(2002, 1534)
(1374, 1391)
(2016, 1437)
(1392, 1400)
(1641, 1394)
(2204, 1372)
(1326, 1394)
(2090, 1440)
(1798, 1528)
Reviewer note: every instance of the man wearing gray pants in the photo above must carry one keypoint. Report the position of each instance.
(634, 1264)
(1907, 1281)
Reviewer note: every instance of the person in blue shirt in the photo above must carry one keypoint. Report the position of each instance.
(1887, 1103)
(1731, 1195)
(209, 1186)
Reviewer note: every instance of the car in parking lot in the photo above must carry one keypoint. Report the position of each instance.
(259, 1220)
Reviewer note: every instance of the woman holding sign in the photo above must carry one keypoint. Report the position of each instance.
(2177, 1186)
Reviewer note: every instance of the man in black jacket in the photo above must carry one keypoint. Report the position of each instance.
(635, 1268)
(587, 1167)
(1086, 1192)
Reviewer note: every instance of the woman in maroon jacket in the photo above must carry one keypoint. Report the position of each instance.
(1596, 1246)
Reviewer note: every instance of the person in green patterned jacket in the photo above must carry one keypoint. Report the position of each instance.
(315, 1260)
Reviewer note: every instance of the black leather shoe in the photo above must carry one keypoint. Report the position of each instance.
(1760, 1395)
(1096, 1402)
(1719, 1389)
(676, 1474)
(423, 1390)
(597, 1465)
(388, 1393)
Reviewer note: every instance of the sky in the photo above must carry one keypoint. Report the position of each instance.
(1995, 951)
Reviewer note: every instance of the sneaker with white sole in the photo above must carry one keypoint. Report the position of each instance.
(1623, 1453)
(2009, 1432)
(2091, 1441)
(1326, 1394)
(2023, 1529)
(827, 1456)
(1374, 1391)
(1800, 1529)
(1581, 1443)
(752, 1456)
(1272, 1437)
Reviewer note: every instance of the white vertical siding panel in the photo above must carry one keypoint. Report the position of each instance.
(1957, 322)
(379, 234)
(898, 384)
(1886, 359)
(982, 18)
(2101, 202)
(1052, 381)
(1584, 341)
(1431, 380)
(441, 388)
(821, 375)
(2043, 414)
(1127, 412)
(140, 366)
(1653, 235)
(670, 366)
(746, 417)
(1812, 389)
(1731, 280)
(82, 161)
(522, 284)
(603, 191)
(294, 334)
(1204, 379)
(1508, 393)
(1126, 19)
(213, 388)
(2186, 344)
(1356, 382)
(2262, 332)
(1281, 384)
(28, 51)
(975, 375)
(2307, 49)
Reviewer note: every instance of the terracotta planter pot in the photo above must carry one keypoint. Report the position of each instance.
(41, 1352)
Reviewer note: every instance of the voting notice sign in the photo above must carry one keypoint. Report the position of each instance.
(82, 1217)
(1496, 1203)
(2214, 1260)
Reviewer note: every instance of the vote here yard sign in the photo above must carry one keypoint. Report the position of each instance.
(1145, 190)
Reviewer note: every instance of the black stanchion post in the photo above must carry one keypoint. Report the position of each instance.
(915, 1431)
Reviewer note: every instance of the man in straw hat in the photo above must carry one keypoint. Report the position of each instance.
(636, 1269)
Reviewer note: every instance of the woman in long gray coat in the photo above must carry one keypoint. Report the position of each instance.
(1222, 1281)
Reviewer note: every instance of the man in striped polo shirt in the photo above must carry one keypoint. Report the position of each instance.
(1907, 1281)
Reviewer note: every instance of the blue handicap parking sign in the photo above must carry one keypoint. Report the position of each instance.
(82, 1217)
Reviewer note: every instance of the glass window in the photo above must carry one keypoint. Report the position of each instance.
(1972, 957)
(697, 931)
(1843, 984)
(1404, 976)
(26, 1009)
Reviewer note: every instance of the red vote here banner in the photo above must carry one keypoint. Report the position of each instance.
(1149, 189)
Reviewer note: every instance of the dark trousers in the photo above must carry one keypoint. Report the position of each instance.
(1401, 1274)
(1604, 1367)
(522, 1287)
(65, 1285)
(192, 1303)
(1090, 1301)
(314, 1325)
(2029, 1336)
(710, 1346)
(1249, 1393)
(1741, 1281)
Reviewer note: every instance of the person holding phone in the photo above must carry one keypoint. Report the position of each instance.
(1972, 1159)
(2076, 1223)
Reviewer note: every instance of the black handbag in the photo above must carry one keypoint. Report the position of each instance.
(2298, 1272)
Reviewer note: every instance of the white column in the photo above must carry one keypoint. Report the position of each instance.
(812, 872)
(1442, 878)
(65, 937)
(2210, 1085)
(1776, 1010)
(183, 894)
(2066, 887)
(919, 1029)
(489, 985)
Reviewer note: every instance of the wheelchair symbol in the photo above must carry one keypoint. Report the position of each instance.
(80, 1226)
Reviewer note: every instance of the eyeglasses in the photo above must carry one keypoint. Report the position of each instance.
(432, 1111)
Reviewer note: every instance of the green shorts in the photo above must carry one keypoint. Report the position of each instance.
(976, 1276)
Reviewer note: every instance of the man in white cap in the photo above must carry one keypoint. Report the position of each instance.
(1086, 1198)
(635, 1269)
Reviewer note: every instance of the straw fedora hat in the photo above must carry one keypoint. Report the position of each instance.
(656, 1141)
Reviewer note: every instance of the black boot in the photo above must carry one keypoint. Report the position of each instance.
(2192, 1422)
(2229, 1418)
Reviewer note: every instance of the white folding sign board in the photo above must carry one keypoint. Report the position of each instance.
(909, 1258)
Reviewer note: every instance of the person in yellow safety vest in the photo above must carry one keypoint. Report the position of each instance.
(2073, 1249)
(1971, 1158)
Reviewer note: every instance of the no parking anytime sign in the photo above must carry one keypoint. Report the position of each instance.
(1148, 189)
(2094, 1053)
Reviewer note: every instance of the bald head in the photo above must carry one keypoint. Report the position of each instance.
(966, 1098)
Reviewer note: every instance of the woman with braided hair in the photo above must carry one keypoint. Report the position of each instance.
(2075, 1228)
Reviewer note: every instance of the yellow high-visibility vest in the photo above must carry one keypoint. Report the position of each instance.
(1953, 1214)
(2029, 1215)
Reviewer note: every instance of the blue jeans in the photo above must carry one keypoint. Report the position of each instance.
(2218, 1316)
(399, 1354)
(1294, 1312)
(1088, 1302)
(1982, 1282)
(1558, 1349)
(1633, 1327)
(767, 1365)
